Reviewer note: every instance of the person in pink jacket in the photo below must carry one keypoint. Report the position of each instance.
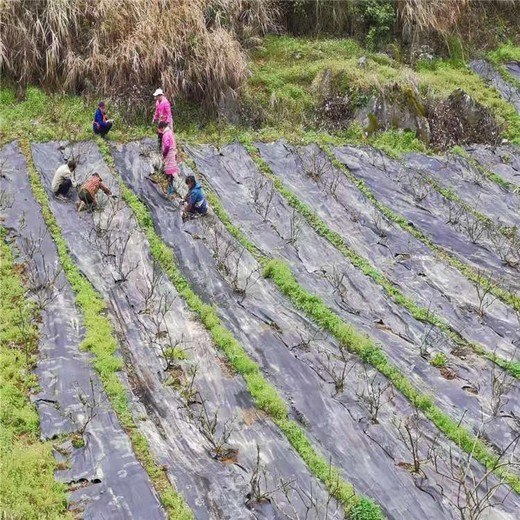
(169, 153)
(163, 112)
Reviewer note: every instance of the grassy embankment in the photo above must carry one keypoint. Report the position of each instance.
(27, 486)
(284, 92)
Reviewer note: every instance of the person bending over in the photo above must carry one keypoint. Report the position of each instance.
(88, 191)
(195, 200)
(64, 179)
(102, 124)
(169, 153)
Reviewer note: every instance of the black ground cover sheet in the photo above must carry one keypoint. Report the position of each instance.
(487, 72)
(503, 161)
(296, 357)
(110, 481)
(393, 185)
(185, 410)
(410, 264)
(479, 192)
(319, 267)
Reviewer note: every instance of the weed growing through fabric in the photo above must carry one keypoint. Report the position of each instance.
(264, 394)
(100, 340)
(27, 487)
(439, 360)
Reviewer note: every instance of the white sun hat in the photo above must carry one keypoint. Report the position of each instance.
(158, 92)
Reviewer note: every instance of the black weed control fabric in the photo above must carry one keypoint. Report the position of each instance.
(472, 186)
(503, 161)
(294, 356)
(114, 484)
(487, 72)
(401, 257)
(322, 270)
(393, 185)
(178, 405)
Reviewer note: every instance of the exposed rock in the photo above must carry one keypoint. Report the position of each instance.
(461, 120)
(396, 108)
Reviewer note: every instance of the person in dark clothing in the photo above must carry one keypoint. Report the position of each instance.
(195, 200)
(101, 124)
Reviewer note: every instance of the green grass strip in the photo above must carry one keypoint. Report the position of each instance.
(420, 313)
(101, 341)
(264, 394)
(27, 486)
(502, 294)
(279, 271)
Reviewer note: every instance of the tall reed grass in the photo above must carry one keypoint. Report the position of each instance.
(127, 48)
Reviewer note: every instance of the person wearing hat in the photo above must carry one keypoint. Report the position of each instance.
(88, 191)
(163, 112)
(101, 124)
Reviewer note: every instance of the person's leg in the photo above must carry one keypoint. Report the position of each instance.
(64, 187)
(105, 130)
(86, 201)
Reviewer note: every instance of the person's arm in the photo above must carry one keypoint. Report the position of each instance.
(98, 119)
(168, 113)
(104, 188)
(156, 113)
(166, 148)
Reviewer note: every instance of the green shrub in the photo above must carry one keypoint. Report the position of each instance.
(439, 360)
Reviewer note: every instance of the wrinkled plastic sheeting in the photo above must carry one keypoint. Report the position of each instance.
(393, 185)
(211, 488)
(113, 483)
(472, 186)
(513, 67)
(357, 299)
(486, 71)
(269, 329)
(406, 261)
(503, 161)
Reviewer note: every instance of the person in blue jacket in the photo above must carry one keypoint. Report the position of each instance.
(195, 200)
(101, 124)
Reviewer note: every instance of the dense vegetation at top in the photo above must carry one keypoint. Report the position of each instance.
(265, 68)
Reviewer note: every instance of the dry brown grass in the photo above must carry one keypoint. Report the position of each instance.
(126, 48)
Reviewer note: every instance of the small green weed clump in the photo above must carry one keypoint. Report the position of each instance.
(27, 486)
(439, 360)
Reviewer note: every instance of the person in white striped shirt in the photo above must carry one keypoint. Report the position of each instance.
(64, 179)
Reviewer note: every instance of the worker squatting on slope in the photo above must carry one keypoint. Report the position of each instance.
(101, 124)
(64, 179)
(194, 203)
(88, 191)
